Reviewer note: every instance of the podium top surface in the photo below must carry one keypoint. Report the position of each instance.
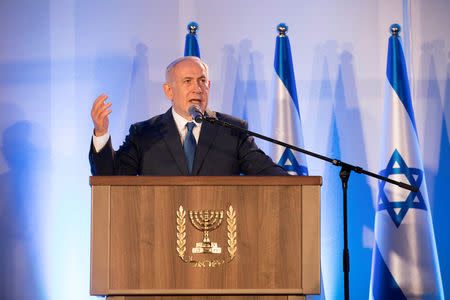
(204, 180)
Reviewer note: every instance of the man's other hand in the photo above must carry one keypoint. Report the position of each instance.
(99, 114)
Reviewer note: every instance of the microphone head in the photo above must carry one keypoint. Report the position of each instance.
(196, 113)
(193, 109)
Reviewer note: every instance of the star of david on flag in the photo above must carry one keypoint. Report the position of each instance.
(405, 264)
(290, 163)
(398, 209)
(286, 123)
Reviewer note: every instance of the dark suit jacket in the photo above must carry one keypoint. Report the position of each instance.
(153, 147)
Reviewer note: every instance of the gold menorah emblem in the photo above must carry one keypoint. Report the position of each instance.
(206, 221)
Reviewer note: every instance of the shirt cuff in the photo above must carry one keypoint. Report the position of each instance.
(100, 141)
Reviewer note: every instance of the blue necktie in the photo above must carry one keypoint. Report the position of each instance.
(190, 146)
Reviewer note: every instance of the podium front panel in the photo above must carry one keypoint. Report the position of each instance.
(148, 238)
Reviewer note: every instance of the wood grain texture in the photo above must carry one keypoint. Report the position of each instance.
(144, 246)
(215, 297)
(296, 297)
(311, 244)
(204, 292)
(205, 180)
(100, 243)
(142, 256)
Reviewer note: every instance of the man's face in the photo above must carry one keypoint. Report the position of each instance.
(188, 85)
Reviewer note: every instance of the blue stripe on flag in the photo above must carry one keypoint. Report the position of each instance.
(384, 285)
(283, 67)
(398, 77)
(191, 47)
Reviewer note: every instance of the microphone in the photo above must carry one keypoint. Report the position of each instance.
(196, 113)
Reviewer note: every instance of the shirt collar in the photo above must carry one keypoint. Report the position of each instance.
(181, 122)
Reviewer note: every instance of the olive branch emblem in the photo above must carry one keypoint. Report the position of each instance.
(181, 232)
(231, 221)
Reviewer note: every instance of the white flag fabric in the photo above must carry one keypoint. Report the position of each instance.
(286, 123)
(404, 262)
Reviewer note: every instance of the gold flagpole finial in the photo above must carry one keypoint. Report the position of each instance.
(395, 29)
(192, 27)
(282, 29)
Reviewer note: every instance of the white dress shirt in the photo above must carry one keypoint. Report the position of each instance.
(100, 141)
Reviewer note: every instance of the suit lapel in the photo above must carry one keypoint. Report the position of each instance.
(171, 136)
(207, 135)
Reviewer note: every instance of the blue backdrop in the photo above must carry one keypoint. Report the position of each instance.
(57, 56)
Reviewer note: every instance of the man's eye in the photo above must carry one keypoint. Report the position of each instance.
(187, 80)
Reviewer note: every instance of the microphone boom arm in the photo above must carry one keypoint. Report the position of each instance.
(335, 162)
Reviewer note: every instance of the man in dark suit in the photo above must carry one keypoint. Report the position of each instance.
(171, 143)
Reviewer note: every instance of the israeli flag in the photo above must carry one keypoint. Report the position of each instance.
(191, 45)
(286, 124)
(404, 262)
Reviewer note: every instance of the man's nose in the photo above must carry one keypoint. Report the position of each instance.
(197, 87)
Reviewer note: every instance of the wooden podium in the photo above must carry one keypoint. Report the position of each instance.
(260, 237)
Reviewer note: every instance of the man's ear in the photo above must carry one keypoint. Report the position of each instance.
(168, 91)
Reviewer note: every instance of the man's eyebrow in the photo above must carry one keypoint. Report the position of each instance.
(190, 77)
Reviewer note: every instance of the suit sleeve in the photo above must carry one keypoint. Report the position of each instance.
(125, 161)
(253, 161)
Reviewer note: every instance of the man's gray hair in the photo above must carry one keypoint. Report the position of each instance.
(171, 66)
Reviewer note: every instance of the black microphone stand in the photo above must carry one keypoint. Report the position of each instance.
(344, 175)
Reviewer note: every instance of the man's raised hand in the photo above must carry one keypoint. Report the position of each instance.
(99, 114)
